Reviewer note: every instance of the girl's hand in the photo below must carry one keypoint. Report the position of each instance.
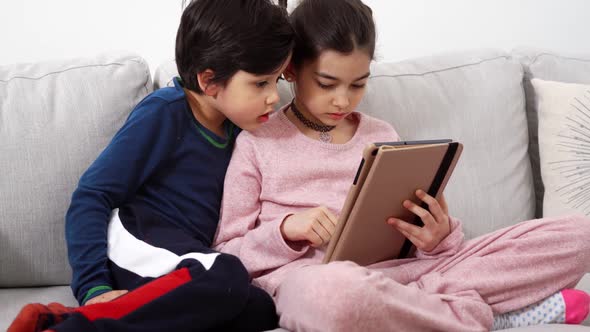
(436, 222)
(314, 225)
(106, 297)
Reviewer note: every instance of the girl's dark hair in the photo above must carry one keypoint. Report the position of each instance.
(339, 25)
(231, 35)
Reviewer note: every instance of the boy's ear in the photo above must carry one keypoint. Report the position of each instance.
(205, 79)
(289, 73)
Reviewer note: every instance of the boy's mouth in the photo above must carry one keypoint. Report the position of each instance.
(263, 118)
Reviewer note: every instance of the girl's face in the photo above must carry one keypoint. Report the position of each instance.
(330, 88)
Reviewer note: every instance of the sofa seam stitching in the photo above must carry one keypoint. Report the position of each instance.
(557, 56)
(446, 69)
(63, 71)
(140, 60)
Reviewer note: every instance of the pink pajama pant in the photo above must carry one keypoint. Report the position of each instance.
(492, 274)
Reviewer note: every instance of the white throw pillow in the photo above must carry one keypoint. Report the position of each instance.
(564, 146)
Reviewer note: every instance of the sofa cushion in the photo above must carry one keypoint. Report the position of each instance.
(55, 118)
(473, 97)
(563, 111)
(164, 74)
(550, 66)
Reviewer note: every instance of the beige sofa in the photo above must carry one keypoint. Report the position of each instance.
(55, 118)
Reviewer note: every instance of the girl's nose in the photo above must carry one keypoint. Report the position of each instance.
(341, 101)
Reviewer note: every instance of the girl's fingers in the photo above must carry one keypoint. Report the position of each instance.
(426, 217)
(443, 204)
(330, 216)
(314, 238)
(416, 241)
(327, 223)
(321, 232)
(402, 225)
(433, 205)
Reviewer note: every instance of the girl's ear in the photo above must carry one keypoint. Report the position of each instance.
(205, 79)
(289, 73)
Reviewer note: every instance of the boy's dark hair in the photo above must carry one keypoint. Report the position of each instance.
(231, 35)
(339, 25)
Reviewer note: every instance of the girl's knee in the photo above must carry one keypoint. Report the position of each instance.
(327, 294)
(568, 231)
(580, 230)
(577, 226)
(574, 223)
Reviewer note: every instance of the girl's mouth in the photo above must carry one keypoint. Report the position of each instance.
(337, 116)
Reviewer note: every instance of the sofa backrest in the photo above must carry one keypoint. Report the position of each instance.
(549, 66)
(55, 118)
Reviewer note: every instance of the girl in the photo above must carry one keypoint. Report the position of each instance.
(288, 179)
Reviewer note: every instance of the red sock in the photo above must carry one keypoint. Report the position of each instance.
(36, 317)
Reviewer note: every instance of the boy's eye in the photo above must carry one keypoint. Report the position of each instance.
(261, 84)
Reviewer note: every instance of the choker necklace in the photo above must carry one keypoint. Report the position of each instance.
(324, 130)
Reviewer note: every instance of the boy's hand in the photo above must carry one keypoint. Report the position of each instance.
(436, 222)
(314, 225)
(106, 297)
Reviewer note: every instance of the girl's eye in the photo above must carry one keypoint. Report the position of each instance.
(358, 86)
(261, 84)
(324, 86)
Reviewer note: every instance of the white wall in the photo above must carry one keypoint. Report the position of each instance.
(420, 27)
(32, 30)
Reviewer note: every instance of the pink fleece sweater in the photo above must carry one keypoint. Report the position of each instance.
(276, 171)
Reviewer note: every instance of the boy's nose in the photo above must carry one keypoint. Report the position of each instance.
(273, 98)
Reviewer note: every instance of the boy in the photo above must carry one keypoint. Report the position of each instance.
(144, 214)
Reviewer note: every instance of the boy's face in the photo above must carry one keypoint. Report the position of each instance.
(247, 99)
(331, 87)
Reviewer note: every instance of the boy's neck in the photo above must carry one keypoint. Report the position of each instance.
(205, 113)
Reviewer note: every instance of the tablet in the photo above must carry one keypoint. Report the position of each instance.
(388, 174)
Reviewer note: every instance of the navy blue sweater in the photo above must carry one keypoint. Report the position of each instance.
(163, 162)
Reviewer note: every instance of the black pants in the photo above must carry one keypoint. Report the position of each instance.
(191, 298)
